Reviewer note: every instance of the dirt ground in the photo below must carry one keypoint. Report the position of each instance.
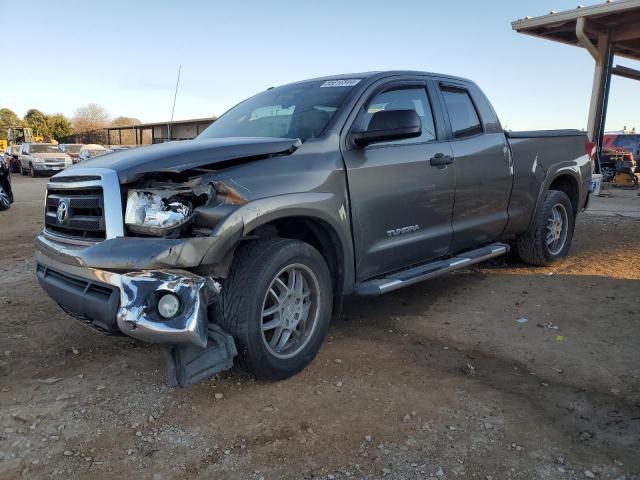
(439, 380)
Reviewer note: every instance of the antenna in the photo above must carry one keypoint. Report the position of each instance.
(175, 94)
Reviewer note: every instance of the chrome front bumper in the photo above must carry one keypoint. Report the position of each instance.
(80, 289)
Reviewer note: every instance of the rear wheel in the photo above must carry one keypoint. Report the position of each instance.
(551, 232)
(276, 302)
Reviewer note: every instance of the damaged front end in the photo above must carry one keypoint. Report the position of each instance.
(153, 275)
(141, 294)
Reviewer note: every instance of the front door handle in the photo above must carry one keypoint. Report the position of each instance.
(440, 159)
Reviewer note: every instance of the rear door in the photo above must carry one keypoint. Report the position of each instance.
(400, 205)
(482, 167)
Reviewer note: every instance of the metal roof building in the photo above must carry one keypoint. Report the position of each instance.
(158, 132)
(604, 30)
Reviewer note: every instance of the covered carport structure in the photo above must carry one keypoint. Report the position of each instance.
(605, 31)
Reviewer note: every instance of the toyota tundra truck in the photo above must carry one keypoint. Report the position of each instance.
(244, 241)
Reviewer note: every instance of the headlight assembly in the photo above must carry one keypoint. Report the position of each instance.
(151, 214)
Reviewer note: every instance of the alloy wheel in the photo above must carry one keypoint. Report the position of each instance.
(557, 224)
(290, 310)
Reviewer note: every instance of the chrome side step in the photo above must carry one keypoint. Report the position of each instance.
(378, 286)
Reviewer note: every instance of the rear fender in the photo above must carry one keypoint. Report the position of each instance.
(569, 169)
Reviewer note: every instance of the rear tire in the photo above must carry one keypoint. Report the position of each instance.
(549, 236)
(276, 282)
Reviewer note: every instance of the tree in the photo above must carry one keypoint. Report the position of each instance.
(125, 121)
(90, 117)
(8, 119)
(37, 120)
(59, 126)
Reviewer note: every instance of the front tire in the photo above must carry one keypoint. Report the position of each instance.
(276, 302)
(5, 200)
(32, 171)
(549, 236)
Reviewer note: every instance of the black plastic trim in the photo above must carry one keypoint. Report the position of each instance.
(95, 304)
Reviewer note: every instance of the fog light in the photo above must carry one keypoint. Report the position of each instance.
(168, 305)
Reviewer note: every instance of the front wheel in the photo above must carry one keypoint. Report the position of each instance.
(549, 236)
(32, 171)
(276, 302)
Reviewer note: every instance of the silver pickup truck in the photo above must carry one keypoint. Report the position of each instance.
(244, 241)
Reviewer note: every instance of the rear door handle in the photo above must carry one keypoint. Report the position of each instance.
(440, 159)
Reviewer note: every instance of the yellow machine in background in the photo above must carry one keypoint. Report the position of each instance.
(19, 135)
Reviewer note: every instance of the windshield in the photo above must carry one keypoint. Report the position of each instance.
(44, 148)
(299, 111)
(72, 148)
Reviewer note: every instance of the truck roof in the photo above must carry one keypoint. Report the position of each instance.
(374, 75)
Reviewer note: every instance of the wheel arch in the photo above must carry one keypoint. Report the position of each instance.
(322, 236)
(567, 183)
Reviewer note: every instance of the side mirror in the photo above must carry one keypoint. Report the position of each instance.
(388, 125)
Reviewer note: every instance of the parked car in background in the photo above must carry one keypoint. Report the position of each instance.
(6, 195)
(42, 158)
(116, 148)
(71, 149)
(92, 150)
(12, 156)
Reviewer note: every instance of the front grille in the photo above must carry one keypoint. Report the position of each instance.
(83, 215)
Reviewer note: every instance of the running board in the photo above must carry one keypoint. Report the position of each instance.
(378, 286)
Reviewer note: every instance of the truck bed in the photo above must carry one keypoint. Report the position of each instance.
(537, 154)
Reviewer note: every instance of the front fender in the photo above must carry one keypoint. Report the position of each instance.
(324, 206)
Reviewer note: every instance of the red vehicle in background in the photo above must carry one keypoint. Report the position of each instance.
(617, 147)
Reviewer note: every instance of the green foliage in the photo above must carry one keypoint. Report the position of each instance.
(37, 120)
(59, 126)
(8, 119)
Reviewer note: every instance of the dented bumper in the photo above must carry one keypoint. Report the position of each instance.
(123, 299)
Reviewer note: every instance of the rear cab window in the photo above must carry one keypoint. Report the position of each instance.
(463, 115)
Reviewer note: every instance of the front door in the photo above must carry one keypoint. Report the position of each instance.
(401, 206)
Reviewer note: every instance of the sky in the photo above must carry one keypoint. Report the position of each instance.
(124, 55)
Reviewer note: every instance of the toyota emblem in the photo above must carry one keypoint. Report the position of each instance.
(62, 214)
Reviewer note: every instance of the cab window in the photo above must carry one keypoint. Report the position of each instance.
(413, 98)
(463, 116)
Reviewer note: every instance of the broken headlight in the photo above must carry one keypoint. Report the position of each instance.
(151, 214)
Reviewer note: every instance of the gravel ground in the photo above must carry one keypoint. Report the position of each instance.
(496, 372)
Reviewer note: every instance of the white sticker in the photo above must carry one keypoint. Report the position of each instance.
(340, 83)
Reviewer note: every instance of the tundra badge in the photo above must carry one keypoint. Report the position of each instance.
(401, 231)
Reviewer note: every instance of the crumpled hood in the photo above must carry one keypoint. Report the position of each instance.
(179, 156)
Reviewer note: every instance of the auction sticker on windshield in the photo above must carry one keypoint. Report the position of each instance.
(340, 83)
